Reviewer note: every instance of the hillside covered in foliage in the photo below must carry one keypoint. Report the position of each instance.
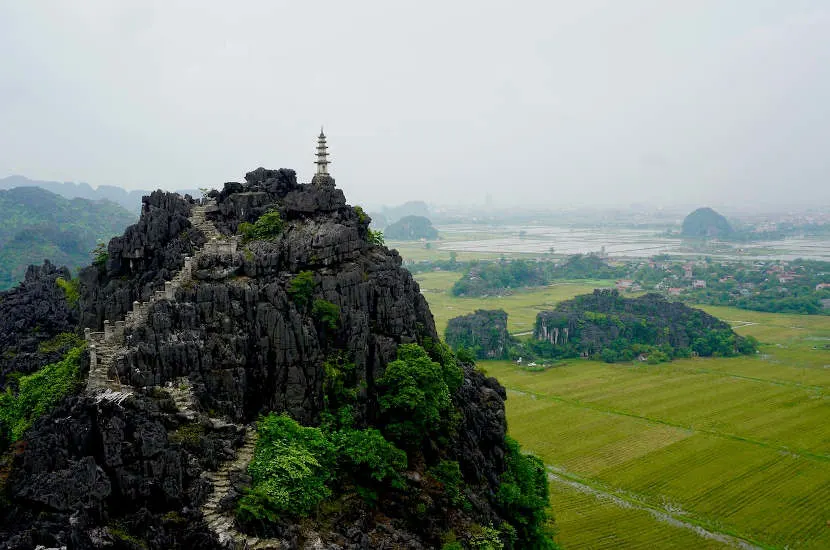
(36, 225)
(706, 223)
(411, 228)
(608, 326)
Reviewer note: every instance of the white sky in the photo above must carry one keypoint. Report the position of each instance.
(548, 102)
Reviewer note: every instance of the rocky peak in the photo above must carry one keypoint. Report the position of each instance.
(205, 333)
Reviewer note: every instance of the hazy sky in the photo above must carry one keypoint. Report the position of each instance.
(549, 102)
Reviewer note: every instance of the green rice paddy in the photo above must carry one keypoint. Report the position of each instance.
(697, 453)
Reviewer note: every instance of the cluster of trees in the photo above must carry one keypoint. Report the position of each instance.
(296, 469)
(758, 289)
(488, 278)
(411, 228)
(606, 326)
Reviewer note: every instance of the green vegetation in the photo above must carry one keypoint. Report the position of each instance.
(100, 255)
(487, 278)
(296, 468)
(376, 237)
(71, 289)
(521, 306)
(414, 397)
(327, 313)
(606, 325)
(448, 474)
(267, 227)
(368, 457)
(411, 228)
(290, 469)
(362, 217)
(523, 497)
(710, 442)
(585, 266)
(36, 224)
(301, 288)
(37, 394)
(60, 342)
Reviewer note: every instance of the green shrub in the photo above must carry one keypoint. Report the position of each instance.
(485, 538)
(369, 456)
(268, 226)
(451, 372)
(362, 217)
(38, 393)
(414, 397)
(100, 255)
(290, 470)
(189, 436)
(71, 289)
(375, 237)
(465, 355)
(523, 498)
(337, 372)
(656, 357)
(327, 313)
(59, 342)
(301, 288)
(448, 473)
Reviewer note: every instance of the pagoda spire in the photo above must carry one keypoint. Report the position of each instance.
(322, 177)
(322, 161)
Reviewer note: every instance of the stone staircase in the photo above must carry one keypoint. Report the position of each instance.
(223, 523)
(103, 384)
(105, 346)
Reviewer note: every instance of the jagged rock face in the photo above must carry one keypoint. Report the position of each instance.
(31, 313)
(246, 346)
(148, 254)
(91, 462)
(483, 331)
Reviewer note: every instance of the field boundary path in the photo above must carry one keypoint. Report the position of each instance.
(559, 476)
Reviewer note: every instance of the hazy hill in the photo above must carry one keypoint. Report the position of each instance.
(36, 224)
(411, 228)
(411, 208)
(705, 222)
(129, 199)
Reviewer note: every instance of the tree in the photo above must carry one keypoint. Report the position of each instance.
(414, 396)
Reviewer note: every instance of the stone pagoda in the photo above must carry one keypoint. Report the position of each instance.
(322, 176)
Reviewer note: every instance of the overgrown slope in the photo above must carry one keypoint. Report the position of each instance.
(36, 224)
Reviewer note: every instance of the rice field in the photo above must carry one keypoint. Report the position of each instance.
(733, 447)
(698, 453)
(522, 305)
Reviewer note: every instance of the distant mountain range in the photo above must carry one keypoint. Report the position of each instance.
(36, 224)
(131, 200)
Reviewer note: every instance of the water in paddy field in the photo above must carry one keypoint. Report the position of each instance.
(621, 242)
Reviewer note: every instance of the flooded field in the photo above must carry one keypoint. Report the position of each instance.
(617, 242)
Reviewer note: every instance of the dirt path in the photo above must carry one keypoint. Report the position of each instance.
(664, 516)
